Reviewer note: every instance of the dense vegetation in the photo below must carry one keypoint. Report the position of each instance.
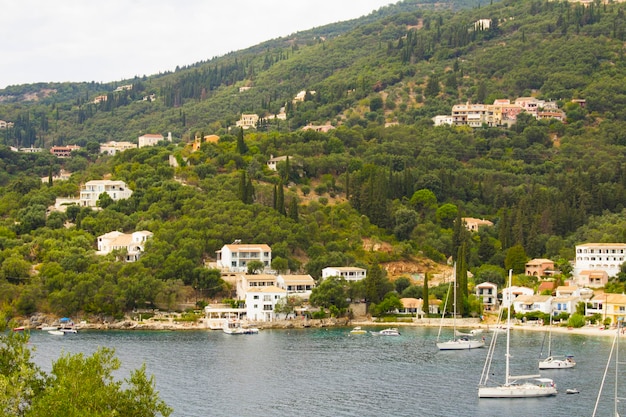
(76, 386)
(546, 185)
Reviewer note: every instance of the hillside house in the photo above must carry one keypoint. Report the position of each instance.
(151, 139)
(90, 192)
(530, 303)
(349, 273)
(247, 121)
(113, 147)
(63, 151)
(132, 243)
(539, 268)
(235, 257)
(509, 294)
(300, 285)
(473, 224)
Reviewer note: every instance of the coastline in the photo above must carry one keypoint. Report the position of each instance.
(171, 323)
(331, 322)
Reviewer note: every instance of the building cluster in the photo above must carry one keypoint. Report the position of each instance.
(595, 263)
(502, 112)
(259, 293)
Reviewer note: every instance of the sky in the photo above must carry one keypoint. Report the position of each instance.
(112, 40)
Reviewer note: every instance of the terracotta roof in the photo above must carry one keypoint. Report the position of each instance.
(270, 288)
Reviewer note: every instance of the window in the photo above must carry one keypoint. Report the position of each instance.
(256, 297)
(267, 307)
(267, 298)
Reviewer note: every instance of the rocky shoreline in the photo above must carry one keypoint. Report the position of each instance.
(172, 322)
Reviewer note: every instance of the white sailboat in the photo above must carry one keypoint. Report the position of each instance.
(458, 342)
(554, 362)
(522, 386)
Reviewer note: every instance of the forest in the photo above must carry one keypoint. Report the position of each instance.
(384, 174)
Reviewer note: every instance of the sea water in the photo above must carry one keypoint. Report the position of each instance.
(328, 372)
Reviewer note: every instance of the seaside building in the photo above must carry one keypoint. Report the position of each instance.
(593, 257)
(132, 243)
(261, 302)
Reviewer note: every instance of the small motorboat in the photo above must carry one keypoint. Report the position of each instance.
(68, 330)
(56, 332)
(572, 391)
(358, 330)
(392, 331)
(19, 329)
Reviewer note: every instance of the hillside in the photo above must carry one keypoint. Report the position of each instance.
(383, 186)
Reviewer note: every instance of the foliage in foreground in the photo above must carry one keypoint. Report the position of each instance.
(77, 385)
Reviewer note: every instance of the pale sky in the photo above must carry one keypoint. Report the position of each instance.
(111, 40)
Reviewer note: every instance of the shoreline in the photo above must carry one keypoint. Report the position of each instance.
(332, 322)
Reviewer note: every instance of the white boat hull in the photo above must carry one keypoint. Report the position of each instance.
(553, 363)
(526, 390)
(460, 344)
(56, 332)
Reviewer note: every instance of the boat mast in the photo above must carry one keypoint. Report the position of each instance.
(508, 331)
(454, 316)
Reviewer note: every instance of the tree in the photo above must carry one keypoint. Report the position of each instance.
(402, 284)
(280, 265)
(377, 285)
(330, 292)
(85, 386)
(254, 267)
(77, 386)
(516, 259)
(242, 148)
(293, 209)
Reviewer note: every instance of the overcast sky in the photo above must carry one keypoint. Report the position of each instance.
(111, 40)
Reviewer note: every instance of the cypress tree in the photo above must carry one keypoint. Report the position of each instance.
(242, 148)
(293, 209)
(280, 199)
(249, 191)
(241, 193)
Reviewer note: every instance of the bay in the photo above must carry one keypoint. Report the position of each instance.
(328, 372)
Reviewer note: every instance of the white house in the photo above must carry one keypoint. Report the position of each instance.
(235, 257)
(488, 292)
(564, 304)
(90, 192)
(245, 282)
(349, 273)
(592, 279)
(441, 120)
(134, 243)
(150, 139)
(272, 163)
(473, 224)
(261, 301)
(300, 285)
(247, 121)
(509, 294)
(113, 147)
(529, 303)
(606, 257)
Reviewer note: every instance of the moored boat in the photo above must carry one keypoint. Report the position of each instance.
(358, 330)
(391, 331)
(522, 386)
(56, 332)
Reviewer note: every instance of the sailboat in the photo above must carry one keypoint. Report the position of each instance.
(461, 342)
(523, 386)
(553, 362)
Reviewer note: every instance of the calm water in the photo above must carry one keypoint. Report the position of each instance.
(327, 372)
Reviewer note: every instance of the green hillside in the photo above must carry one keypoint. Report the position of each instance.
(384, 187)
